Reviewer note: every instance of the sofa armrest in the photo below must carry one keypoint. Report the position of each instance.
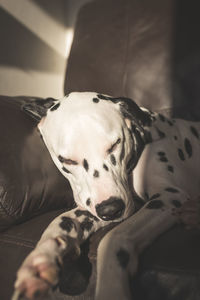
(30, 183)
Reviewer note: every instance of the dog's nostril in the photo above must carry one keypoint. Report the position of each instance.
(110, 209)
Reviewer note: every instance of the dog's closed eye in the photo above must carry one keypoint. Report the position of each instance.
(114, 146)
(67, 161)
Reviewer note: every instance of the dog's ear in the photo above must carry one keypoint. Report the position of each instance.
(131, 111)
(37, 108)
(136, 119)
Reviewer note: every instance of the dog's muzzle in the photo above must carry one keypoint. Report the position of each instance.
(110, 209)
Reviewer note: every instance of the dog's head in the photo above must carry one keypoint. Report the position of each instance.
(94, 140)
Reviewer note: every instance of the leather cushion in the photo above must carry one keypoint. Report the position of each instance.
(30, 183)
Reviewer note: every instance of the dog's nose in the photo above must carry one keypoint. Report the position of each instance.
(110, 209)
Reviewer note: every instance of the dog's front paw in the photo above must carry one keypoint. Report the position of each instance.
(39, 272)
(36, 276)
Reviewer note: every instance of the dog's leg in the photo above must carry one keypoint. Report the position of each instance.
(40, 270)
(119, 250)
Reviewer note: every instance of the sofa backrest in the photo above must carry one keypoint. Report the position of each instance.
(147, 50)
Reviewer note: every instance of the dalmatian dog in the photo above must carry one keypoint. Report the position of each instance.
(111, 151)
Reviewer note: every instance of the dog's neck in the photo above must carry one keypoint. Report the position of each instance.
(150, 132)
(156, 130)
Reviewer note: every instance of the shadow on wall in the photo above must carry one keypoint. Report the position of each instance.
(23, 49)
(54, 10)
(186, 53)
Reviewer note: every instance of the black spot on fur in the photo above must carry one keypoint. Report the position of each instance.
(67, 224)
(86, 225)
(86, 213)
(96, 174)
(88, 202)
(172, 190)
(123, 257)
(176, 203)
(170, 123)
(162, 118)
(55, 107)
(155, 204)
(105, 167)
(61, 159)
(181, 154)
(170, 169)
(113, 159)
(194, 131)
(65, 170)
(175, 137)
(95, 100)
(155, 196)
(160, 133)
(85, 165)
(161, 153)
(188, 147)
(163, 159)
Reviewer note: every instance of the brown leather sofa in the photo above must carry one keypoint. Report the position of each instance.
(148, 50)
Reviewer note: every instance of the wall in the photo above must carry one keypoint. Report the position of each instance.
(35, 37)
(33, 47)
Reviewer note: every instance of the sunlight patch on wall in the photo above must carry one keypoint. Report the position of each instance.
(38, 21)
(69, 39)
(30, 83)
